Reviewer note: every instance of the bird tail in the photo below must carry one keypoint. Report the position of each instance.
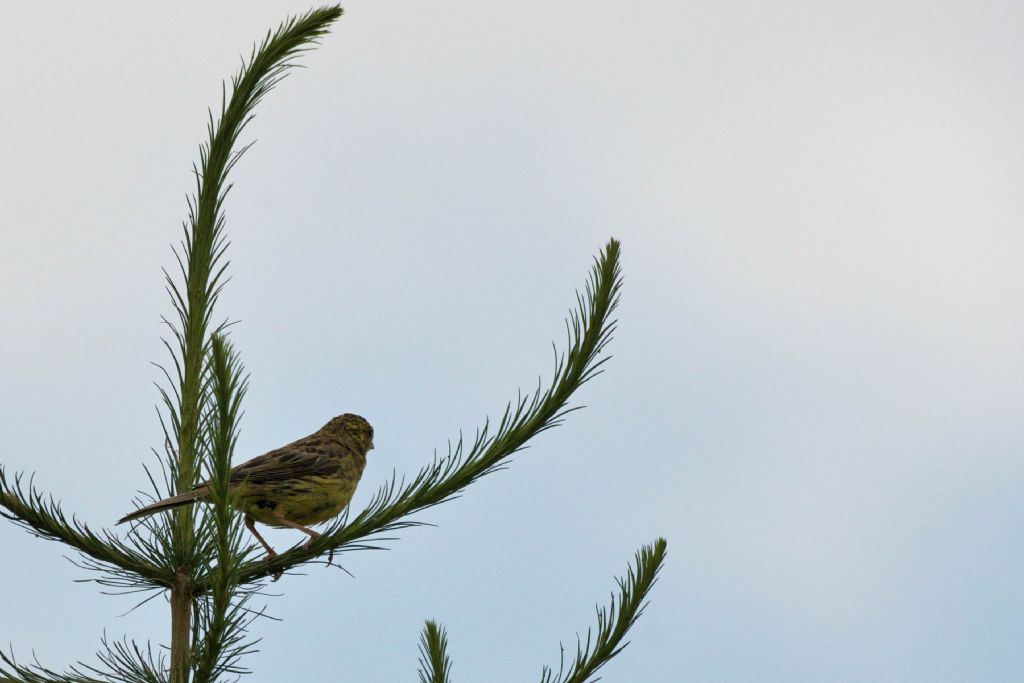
(166, 504)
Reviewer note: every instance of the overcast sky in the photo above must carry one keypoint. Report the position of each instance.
(816, 394)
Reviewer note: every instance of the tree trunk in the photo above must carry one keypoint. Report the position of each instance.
(181, 627)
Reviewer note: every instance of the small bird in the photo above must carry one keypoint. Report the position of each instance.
(309, 481)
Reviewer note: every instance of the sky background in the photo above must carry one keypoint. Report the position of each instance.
(816, 392)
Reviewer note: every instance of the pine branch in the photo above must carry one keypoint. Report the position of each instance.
(589, 329)
(189, 401)
(43, 517)
(613, 623)
(219, 639)
(37, 673)
(202, 259)
(435, 666)
(125, 662)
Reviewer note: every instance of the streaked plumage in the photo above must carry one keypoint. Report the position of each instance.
(309, 481)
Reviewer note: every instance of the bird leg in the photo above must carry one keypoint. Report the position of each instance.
(250, 524)
(312, 535)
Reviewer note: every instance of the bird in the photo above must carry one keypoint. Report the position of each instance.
(306, 482)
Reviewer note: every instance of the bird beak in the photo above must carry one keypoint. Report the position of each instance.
(371, 445)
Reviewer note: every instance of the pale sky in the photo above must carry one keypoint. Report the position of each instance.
(816, 392)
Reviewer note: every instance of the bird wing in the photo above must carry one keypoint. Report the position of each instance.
(294, 461)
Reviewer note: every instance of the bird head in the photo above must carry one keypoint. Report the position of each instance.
(351, 428)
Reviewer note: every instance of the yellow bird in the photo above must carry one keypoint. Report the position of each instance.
(309, 481)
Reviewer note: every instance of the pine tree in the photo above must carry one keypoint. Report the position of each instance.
(200, 556)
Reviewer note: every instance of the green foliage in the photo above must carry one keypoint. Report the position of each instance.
(201, 259)
(222, 614)
(203, 558)
(613, 623)
(121, 564)
(435, 666)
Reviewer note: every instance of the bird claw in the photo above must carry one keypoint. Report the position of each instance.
(309, 544)
(268, 558)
